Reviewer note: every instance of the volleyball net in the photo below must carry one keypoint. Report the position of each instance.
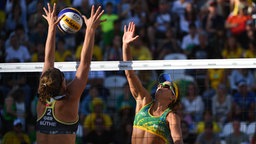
(136, 65)
(112, 78)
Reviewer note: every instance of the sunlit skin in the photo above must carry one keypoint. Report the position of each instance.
(163, 97)
(162, 100)
(66, 109)
(164, 89)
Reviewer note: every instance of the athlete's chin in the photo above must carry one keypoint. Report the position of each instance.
(158, 94)
(159, 91)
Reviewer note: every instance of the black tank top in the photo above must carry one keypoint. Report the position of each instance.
(49, 124)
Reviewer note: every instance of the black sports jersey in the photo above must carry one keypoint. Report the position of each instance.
(49, 124)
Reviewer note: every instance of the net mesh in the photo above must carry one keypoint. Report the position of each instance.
(200, 83)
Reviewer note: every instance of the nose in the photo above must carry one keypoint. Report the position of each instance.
(160, 86)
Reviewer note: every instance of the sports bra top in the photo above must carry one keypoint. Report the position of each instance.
(153, 124)
(49, 124)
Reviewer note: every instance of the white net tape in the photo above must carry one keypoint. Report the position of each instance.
(136, 65)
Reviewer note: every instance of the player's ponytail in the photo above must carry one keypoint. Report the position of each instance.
(50, 84)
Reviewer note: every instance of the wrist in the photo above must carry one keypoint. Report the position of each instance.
(126, 44)
(90, 30)
(51, 28)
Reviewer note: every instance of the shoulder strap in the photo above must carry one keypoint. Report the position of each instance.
(166, 112)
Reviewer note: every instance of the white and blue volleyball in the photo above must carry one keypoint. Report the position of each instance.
(71, 22)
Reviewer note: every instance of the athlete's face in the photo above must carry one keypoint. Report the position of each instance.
(165, 89)
(166, 85)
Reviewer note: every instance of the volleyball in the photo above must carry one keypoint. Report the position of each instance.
(71, 22)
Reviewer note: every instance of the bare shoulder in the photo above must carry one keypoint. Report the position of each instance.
(173, 118)
(74, 90)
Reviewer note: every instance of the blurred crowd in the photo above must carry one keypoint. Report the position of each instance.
(217, 105)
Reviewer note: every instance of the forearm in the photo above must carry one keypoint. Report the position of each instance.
(127, 57)
(87, 50)
(50, 47)
(133, 80)
(126, 52)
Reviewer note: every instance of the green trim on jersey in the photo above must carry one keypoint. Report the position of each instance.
(153, 124)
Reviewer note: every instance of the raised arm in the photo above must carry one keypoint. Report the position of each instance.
(79, 83)
(140, 94)
(50, 16)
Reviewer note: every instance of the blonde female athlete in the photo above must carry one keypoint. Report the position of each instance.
(155, 120)
(58, 102)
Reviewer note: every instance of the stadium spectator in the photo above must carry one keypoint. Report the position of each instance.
(99, 135)
(244, 102)
(16, 135)
(216, 43)
(108, 26)
(36, 16)
(38, 53)
(85, 104)
(212, 20)
(207, 117)
(237, 136)
(162, 21)
(38, 34)
(124, 133)
(97, 49)
(113, 51)
(125, 99)
(251, 51)
(190, 16)
(200, 51)
(97, 106)
(214, 77)
(236, 75)
(178, 7)
(140, 51)
(170, 44)
(221, 104)
(232, 48)
(136, 11)
(208, 136)
(193, 103)
(188, 137)
(190, 40)
(16, 14)
(62, 52)
(236, 24)
(17, 52)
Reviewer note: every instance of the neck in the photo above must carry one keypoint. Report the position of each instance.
(159, 107)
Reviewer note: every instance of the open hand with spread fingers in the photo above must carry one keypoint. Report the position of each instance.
(129, 32)
(94, 20)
